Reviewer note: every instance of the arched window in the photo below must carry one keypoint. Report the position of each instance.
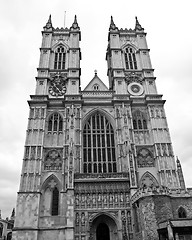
(55, 202)
(130, 58)
(95, 87)
(55, 123)
(98, 146)
(60, 58)
(182, 213)
(139, 120)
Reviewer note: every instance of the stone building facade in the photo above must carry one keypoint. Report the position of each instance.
(98, 163)
(6, 226)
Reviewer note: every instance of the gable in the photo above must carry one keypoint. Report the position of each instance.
(96, 85)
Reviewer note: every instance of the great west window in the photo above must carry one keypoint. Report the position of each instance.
(98, 145)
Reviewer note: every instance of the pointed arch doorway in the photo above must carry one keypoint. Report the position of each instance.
(103, 227)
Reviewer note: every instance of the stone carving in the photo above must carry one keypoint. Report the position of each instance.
(133, 77)
(53, 161)
(57, 84)
(148, 181)
(145, 158)
(101, 200)
(123, 219)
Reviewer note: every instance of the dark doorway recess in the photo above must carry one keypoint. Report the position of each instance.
(102, 232)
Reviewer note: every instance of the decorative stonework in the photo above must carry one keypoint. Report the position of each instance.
(53, 161)
(103, 195)
(57, 86)
(133, 77)
(145, 158)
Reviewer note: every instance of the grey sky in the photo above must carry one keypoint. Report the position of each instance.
(169, 36)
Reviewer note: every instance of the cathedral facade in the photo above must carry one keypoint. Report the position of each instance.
(98, 163)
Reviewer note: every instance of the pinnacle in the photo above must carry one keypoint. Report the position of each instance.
(112, 25)
(138, 25)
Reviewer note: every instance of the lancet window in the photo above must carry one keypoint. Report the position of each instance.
(55, 202)
(130, 58)
(139, 120)
(182, 213)
(60, 58)
(55, 123)
(98, 145)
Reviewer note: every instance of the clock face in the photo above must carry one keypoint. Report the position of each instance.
(57, 88)
(135, 89)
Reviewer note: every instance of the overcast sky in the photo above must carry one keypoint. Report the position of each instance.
(169, 36)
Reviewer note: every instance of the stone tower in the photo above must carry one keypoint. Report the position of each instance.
(88, 154)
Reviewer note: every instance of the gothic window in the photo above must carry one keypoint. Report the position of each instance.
(98, 146)
(60, 58)
(182, 213)
(139, 120)
(130, 58)
(53, 161)
(55, 123)
(55, 202)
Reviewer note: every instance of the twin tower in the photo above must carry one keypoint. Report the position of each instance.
(98, 162)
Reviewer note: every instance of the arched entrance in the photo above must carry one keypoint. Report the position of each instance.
(103, 227)
(102, 232)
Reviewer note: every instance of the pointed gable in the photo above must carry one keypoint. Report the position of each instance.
(96, 85)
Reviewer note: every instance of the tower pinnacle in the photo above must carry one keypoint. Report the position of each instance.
(112, 25)
(138, 25)
(75, 24)
(180, 174)
(49, 23)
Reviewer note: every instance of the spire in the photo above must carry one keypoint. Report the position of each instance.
(112, 25)
(49, 23)
(75, 25)
(138, 25)
(13, 214)
(180, 174)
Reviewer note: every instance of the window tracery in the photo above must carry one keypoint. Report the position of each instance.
(60, 58)
(130, 58)
(53, 161)
(145, 158)
(98, 145)
(139, 120)
(55, 123)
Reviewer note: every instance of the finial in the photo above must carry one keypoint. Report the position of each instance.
(95, 72)
(13, 213)
(49, 23)
(49, 20)
(138, 25)
(75, 24)
(112, 25)
(178, 162)
(75, 20)
(112, 22)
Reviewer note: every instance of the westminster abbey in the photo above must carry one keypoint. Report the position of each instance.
(98, 163)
